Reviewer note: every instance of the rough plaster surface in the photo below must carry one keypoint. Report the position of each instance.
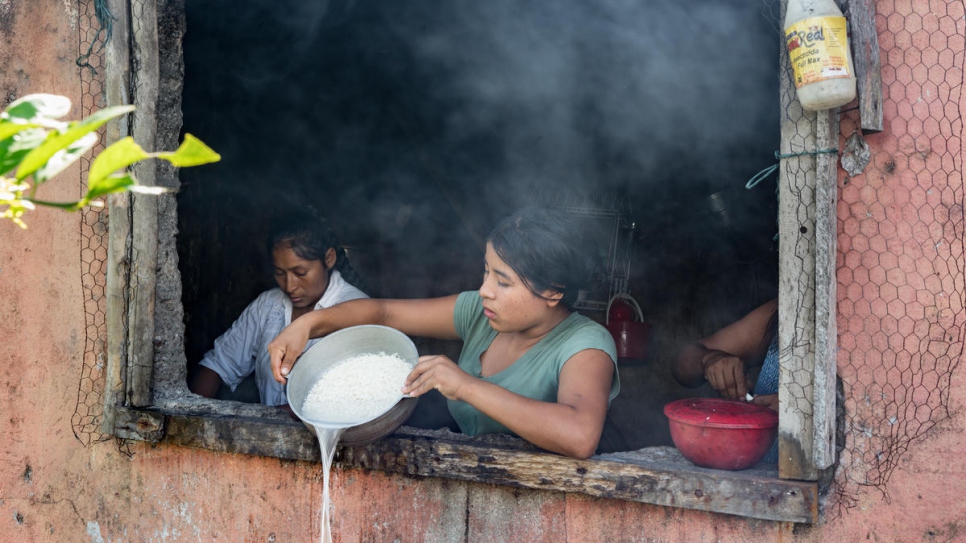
(52, 488)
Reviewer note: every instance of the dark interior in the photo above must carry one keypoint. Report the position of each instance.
(414, 126)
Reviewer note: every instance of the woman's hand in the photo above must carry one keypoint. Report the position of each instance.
(725, 373)
(285, 349)
(436, 372)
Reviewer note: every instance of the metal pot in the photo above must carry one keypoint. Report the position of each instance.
(342, 345)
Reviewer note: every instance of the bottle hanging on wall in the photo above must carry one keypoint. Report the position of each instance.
(816, 35)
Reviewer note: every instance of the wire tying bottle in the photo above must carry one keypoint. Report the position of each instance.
(816, 36)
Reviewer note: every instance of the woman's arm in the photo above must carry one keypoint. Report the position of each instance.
(571, 426)
(431, 318)
(721, 358)
(233, 355)
(205, 382)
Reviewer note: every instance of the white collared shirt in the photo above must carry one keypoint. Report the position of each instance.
(243, 348)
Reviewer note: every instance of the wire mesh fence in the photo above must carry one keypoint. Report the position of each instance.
(88, 411)
(900, 262)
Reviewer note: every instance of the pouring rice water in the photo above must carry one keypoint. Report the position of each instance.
(346, 390)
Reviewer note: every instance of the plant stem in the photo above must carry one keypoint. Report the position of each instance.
(69, 206)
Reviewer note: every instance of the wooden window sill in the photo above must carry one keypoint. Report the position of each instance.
(656, 475)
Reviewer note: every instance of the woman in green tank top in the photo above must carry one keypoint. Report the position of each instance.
(529, 366)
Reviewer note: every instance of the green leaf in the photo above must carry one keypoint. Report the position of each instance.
(8, 129)
(13, 149)
(64, 158)
(118, 155)
(57, 141)
(108, 185)
(35, 107)
(192, 152)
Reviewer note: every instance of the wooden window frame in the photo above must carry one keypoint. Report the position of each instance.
(146, 397)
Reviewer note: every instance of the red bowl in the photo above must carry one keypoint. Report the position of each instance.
(721, 434)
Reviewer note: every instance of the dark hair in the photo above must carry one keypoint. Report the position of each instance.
(311, 236)
(547, 249)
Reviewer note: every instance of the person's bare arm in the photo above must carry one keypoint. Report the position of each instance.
(721, 358)
(570, 426)
(688, 368)
(431, 318)
(205, 382)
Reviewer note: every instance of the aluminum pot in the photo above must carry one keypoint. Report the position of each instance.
(342, 345)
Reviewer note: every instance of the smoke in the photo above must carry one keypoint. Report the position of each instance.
(432, 120)
(611, 95)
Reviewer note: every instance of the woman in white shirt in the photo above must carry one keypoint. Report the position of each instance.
(312, 272)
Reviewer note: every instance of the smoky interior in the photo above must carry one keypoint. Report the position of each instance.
(414, 126)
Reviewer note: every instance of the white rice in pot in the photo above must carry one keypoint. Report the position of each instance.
(357, 389)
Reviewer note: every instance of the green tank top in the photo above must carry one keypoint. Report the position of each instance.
(536, 374)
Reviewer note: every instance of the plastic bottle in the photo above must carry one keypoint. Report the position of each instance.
(816, 35)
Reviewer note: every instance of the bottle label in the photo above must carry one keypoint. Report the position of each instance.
(818, 48)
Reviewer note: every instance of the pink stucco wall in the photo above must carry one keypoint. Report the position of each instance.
(900, 280)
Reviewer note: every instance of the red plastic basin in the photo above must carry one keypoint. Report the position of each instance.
(721, 434)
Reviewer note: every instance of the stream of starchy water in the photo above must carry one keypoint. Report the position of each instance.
(328, 439)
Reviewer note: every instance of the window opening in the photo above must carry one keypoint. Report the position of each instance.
(462, 113)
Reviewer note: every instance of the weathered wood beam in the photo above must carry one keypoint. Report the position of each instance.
(243, 435)
(138, 424)
(806, 262)
(117, 77)
(822, 417)
(868, 67)
(667, 483)
(144, 229)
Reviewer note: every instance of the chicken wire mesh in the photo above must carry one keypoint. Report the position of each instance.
(88, 411)
(899, 263)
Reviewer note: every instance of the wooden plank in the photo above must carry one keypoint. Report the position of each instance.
(246, 435)
(117, 76)
(865, 58)
(796, 309)
(659, 477)
(138, 424)
(672, 485)
(796, 301)
(823, 411)
(806, 309)
(144, 231)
